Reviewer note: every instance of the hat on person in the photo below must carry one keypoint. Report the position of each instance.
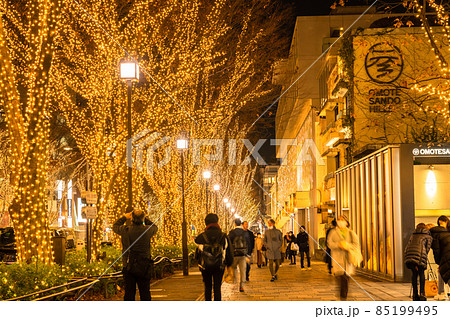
(211, 219)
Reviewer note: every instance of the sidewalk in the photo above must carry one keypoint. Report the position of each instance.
(293, 284)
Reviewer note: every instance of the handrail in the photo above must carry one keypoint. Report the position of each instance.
(66, 291)
(46, 290)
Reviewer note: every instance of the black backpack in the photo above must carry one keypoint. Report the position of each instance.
(212, 255)
(240, 245)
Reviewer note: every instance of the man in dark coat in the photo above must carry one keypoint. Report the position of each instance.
(214, 235)
(250, 247)
(437, 232)
(240, 240)
(303, 246)
(136, 251)
(416, 258)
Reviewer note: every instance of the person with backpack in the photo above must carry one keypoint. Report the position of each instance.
(273, 240)
(136, 257)
(240, 240)
(438, 232)
(416, 258)
(214, 253)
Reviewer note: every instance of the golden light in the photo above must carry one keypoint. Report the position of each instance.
(206, 174)
(216, 187)
(182, 144)
(129, 71)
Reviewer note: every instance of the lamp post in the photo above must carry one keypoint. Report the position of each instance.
(216, 189)
(206, 176)
(182, 144)
(129, 71)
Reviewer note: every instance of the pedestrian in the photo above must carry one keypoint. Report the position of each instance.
(416, 258)
(328, 250)
(136, 257)
(273, 240)
(214, 253)
(259, 250)
(250, 248)
(283, 249)
(291, 247)
(240, 240)
(437, 232)
(345, 253)
(444, 252)
(303, 247)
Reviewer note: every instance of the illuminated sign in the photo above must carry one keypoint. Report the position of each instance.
(431, 152)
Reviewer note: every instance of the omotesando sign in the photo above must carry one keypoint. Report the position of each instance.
(384, 65)
(432, 151)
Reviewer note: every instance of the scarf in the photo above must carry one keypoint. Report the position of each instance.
(213, 225)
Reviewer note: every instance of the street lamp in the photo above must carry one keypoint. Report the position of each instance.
(216, 189)
(182, 144)
(129, 71)
(225, 200)
(206, 176)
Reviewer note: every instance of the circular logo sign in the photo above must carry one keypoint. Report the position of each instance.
(416, 152)
(384, 63)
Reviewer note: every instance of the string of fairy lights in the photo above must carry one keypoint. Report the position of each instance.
(441, 34)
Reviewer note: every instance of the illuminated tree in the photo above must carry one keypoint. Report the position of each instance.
(199, 69)
(27, 32)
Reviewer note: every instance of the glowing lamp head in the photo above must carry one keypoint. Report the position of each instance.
(182, 144)
(129, 71)
(228, 205)
(206, 174)
(225, 200)
(216, 187)
(233, 210)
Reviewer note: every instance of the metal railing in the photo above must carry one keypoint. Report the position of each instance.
(77, 285)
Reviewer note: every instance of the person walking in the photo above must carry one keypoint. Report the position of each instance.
(416, 258)
(345, 253)
(328, 250)
(444, 251)
(437, 232)
(273, 240)
(136, 253)
(303, 247)
(291, 251)
(240, 241)
(283, 249)
(250, 248)
(214, 253)
(259, 250)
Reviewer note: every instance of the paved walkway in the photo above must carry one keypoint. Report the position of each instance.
(293, 284)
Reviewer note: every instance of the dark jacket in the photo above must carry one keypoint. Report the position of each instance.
(416, 252)
(213, 234)
(444, 263)
(130, 233)
(251, 238)
(302, 240)
(290, 241)
(239, 231)
(436, 233)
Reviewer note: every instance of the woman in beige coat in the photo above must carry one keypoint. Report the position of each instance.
(345, 253)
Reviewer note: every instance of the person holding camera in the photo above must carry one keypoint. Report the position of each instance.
(136, 252)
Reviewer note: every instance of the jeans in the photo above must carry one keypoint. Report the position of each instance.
(210, 277)
(292, 254)
(130, 287)
(418, 272)
(273, 272)
(241, 263)
(305, 251)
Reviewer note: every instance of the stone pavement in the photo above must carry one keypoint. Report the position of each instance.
(292, 284)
